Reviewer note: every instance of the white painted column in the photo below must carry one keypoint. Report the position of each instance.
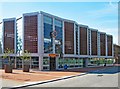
(23, 34)
(57, 63)
(98, 43)
(90, 42)
(87, 41)
(15, 41)
(15, 37)
(40, 40)
(74, 39)
(53, 37)
(63, 38)
(106, 45)
(39, 33)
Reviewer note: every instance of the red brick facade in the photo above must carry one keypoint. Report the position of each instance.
(69, 37)
(103, 44)
(109, 45)
(9, 34)
(94, 43)
(31, 33)
(83, 41)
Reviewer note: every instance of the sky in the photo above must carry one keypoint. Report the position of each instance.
(98, 15)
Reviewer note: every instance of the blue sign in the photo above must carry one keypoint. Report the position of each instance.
(65, 66)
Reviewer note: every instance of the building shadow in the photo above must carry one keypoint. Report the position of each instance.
(112, 70)
(98, 70)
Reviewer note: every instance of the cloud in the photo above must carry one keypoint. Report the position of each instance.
(108, 9)
(113, 4)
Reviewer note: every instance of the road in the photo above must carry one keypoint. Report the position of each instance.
(103, 78)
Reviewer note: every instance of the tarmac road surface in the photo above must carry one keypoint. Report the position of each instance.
(103, 78)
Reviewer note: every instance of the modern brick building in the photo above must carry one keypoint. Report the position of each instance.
(55, 42)
(9, 34)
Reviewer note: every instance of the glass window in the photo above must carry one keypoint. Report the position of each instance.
(58, 23)
(47, 19)
(45, 61)
(58, 39)
(48, 29)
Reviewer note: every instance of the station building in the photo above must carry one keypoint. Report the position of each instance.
(55, 42)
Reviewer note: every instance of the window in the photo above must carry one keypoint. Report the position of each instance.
(58, 39)
(48, 28)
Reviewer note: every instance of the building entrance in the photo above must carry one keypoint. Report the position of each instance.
(52, 63)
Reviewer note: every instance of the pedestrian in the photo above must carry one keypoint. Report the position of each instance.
(105, 64)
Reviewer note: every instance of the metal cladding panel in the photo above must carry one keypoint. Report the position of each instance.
(109, 45)
(9, 34)
(83, 41)
(94, 43)
(69, 37)
(31, 33)
(103, 44)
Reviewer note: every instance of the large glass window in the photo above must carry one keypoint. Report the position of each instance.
(47, 19)
(58, 23)
(48, 28)
(35, 62)
(45, 63)
(58, 39)
(70, 62)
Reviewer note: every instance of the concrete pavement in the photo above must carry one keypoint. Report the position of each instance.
(102, 78)
(10, 83)
(89, 80)
(58, 75)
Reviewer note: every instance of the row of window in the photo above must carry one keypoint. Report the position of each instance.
(48, 35)
(49, 20)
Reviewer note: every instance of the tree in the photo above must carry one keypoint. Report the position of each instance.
(6, 55)
(26, 57)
